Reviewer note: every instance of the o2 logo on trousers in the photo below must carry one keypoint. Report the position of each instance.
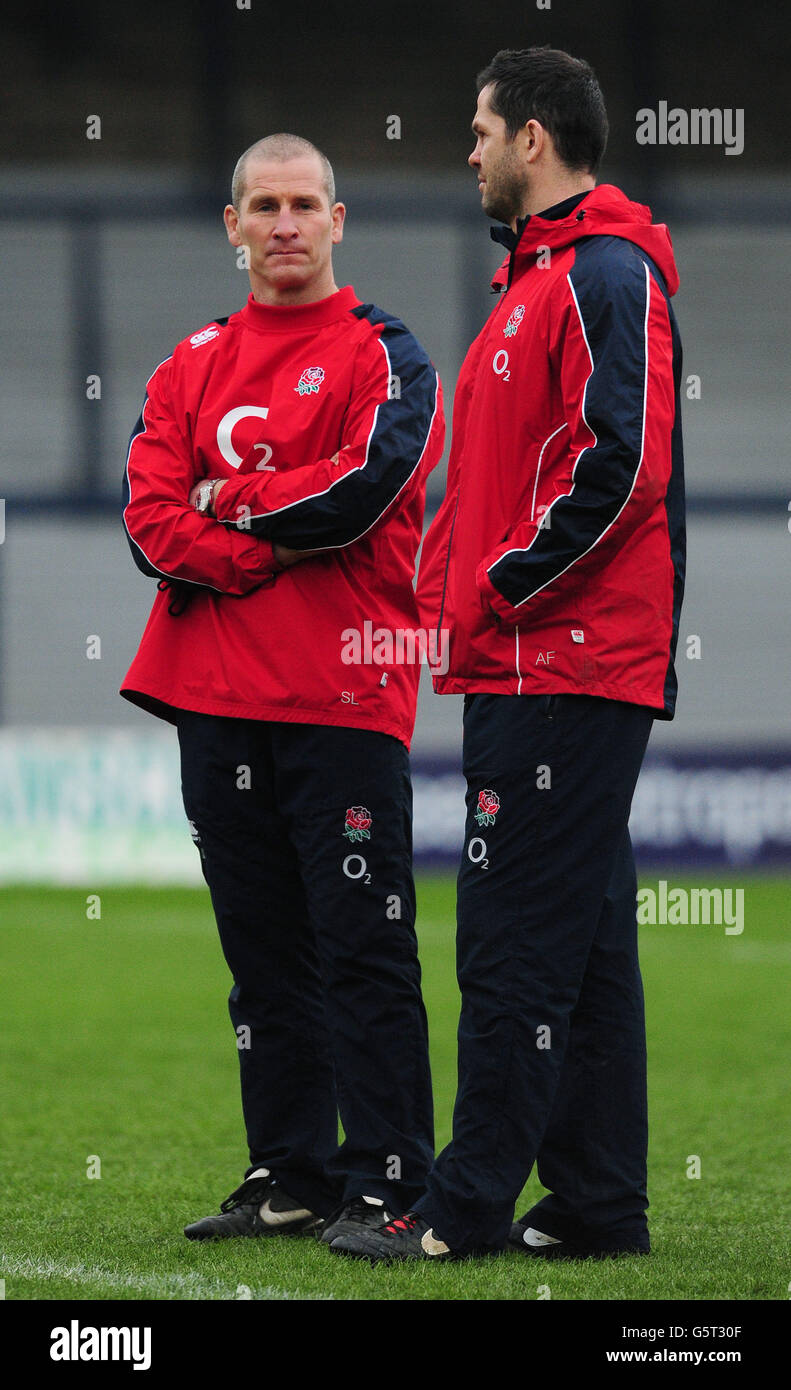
(477, 852)
(354, 866)
(500, 365)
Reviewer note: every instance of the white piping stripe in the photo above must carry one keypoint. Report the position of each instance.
(278, 511)
(564, 426)
(524, 550)
(166, 574)
(518, 672)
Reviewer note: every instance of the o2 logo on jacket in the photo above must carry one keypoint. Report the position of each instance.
(310, 381)
(500, 365)
(225, 430)
(513, 323)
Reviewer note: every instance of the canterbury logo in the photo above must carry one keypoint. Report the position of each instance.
(205, 336)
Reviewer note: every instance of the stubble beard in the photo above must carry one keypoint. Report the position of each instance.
(505, 193)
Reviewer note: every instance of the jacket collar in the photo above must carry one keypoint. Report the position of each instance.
(510, 239)
(602, 211)
(292, 318)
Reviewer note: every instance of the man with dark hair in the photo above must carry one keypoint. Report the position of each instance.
(556, 562)
(558, 91)
(275, 486)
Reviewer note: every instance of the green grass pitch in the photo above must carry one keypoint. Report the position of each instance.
(118, 1047)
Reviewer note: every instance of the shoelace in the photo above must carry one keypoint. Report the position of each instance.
(403, 1224)
(251, 1190)
(356, 1205)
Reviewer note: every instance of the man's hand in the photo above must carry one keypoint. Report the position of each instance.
(286, 557)
(193, 497)
(294, 554)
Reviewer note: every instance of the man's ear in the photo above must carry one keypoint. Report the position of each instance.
(338, 218)
(533, 138)
(231, 220)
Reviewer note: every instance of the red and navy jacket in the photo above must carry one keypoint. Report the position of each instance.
(556, 562)
(326, 418)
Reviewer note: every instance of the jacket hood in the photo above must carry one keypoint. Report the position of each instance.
(605, 211)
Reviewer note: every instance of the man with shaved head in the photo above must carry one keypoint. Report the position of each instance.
(280, 147)
(275, 488)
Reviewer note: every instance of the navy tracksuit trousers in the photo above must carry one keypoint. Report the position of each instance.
(305, 835)
(552, 1058)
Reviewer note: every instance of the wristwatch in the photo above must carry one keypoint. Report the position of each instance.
(203, 502)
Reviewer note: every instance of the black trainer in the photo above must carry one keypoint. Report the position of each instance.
(260, 1207)
(348, 1219)
(524, 1237)
(409, 1237)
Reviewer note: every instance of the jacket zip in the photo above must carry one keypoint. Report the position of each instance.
(447, 561)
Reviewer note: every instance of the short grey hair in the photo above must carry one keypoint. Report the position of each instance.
(281, 147)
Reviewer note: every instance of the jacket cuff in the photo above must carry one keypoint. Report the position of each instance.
(226, 502)
(260, 560)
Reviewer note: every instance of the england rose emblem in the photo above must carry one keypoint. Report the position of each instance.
(358, 823)
(310, 381)
(488, 806)
(514, 321)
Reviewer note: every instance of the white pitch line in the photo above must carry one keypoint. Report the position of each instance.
(174, 1286)
(762, 952)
